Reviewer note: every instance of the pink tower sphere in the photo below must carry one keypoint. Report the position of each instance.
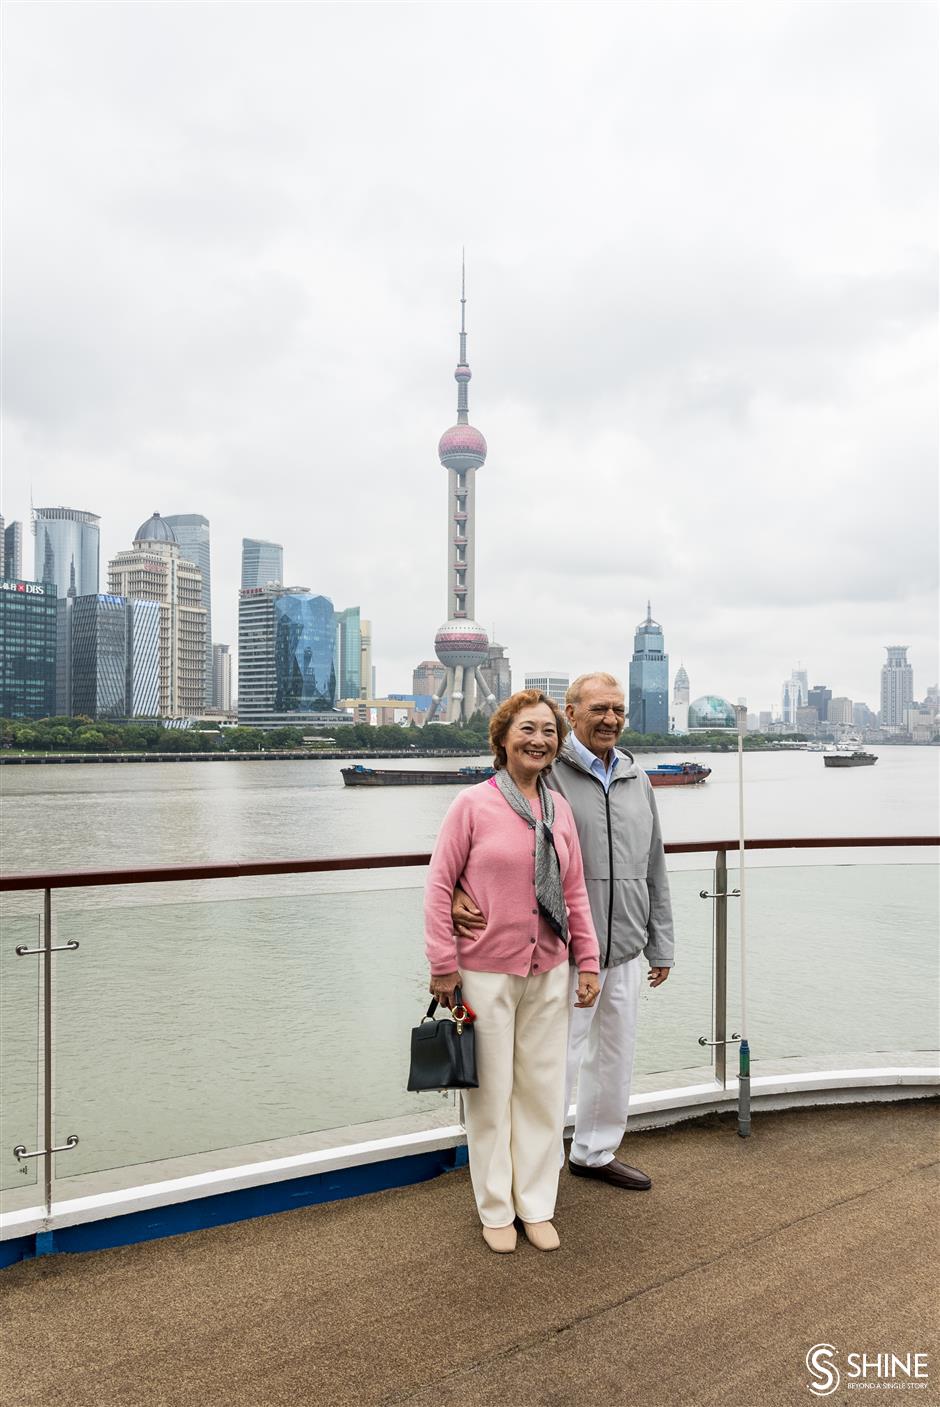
(463, 373)
(461, 642)
(462, 447)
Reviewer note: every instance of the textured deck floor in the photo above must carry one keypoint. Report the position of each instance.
(706, 1292)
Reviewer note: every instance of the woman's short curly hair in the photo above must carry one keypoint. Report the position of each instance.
(501, 721)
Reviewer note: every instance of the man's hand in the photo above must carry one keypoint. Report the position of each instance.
(589, 986)
(657, 976)
(443, 987)
(468, 921)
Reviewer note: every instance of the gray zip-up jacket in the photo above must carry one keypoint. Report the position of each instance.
(624, 861)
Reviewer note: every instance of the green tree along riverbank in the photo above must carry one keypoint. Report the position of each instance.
(101, 736)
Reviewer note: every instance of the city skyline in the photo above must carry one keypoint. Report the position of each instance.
(740, 387)
(784, 708)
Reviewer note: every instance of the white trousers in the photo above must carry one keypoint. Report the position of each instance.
(601, 1045)
(514, 1120)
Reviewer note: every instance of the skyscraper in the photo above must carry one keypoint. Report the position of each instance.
(108, 657)
(286, 657)
(27, 649)
(794, 694)
(461, 644)
(63, 656)
(142, 674)
(897, 686)
(497, 672)
(12, 565)
(840, 711)
(99, 656)
(348, 653)
(222, 678)
(426, 677)
(262, 563)
(192, 534)
(155, 570)
(681, 693)
(67, 538)
(366, 668)
(649, 679)
(818, 698)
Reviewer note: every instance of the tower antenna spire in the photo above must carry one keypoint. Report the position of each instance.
(463, 308)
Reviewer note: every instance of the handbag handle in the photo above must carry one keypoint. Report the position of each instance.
(458, 1001)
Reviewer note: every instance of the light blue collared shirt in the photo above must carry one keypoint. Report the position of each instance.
(604, 775)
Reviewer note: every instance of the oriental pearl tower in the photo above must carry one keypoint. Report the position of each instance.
(461, 644)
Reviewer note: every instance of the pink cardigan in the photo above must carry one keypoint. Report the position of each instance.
(486, 848)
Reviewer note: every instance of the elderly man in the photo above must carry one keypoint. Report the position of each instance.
(625, 872)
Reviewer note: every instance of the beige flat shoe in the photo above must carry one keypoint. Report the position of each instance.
(501, 1239)
(542, 1235)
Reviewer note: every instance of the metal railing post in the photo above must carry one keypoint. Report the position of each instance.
(721, 966)
(47, 1119)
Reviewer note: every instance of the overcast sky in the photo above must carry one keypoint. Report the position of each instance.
(702, 269)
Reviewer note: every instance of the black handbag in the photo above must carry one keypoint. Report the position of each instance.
(443, 1053)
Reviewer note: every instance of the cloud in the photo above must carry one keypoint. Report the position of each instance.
(702, 311)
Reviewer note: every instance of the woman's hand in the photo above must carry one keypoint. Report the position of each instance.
(443, 986)
(589, 986)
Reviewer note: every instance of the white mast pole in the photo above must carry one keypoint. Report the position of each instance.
(744, 1052)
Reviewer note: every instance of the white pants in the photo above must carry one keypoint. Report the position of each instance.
(514, 1120)
(601, 1044)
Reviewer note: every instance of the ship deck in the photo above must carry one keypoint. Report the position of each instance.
(705, 1292)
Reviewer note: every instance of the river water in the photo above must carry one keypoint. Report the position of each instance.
(101, 816)
(237, 1014)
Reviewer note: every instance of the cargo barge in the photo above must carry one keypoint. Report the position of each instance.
(850, 759)
(678, 774)
(360, 776)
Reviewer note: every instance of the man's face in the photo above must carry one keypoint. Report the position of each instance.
(598, 716)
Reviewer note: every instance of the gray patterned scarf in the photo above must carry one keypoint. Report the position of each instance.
(548, 890)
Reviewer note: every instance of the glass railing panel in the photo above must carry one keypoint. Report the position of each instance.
(238, 1024)
(674, 1016)
(842, 966)
(20, 1067)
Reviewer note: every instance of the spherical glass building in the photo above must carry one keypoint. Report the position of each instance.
(710, 712)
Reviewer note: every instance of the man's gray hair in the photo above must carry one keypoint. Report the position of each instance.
(574, 690)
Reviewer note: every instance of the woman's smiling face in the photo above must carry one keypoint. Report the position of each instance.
(532, 741)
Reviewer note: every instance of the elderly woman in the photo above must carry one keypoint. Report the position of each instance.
(511, 844)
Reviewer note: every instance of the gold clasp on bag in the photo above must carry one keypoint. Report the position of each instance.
(459, 1014)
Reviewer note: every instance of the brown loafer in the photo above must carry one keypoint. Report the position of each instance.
(616, 1173)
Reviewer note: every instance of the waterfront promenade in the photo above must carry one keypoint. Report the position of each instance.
(706, 1292)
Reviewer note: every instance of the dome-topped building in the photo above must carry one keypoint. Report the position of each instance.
(156, 529)
(710, 712)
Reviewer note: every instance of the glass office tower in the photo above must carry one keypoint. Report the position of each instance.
(99, 656)
(27, 649)
(348, 653)
(262, 563)
(286, 658)
(649, 679)
(12, 551)
(304, 656)
(67, 538)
